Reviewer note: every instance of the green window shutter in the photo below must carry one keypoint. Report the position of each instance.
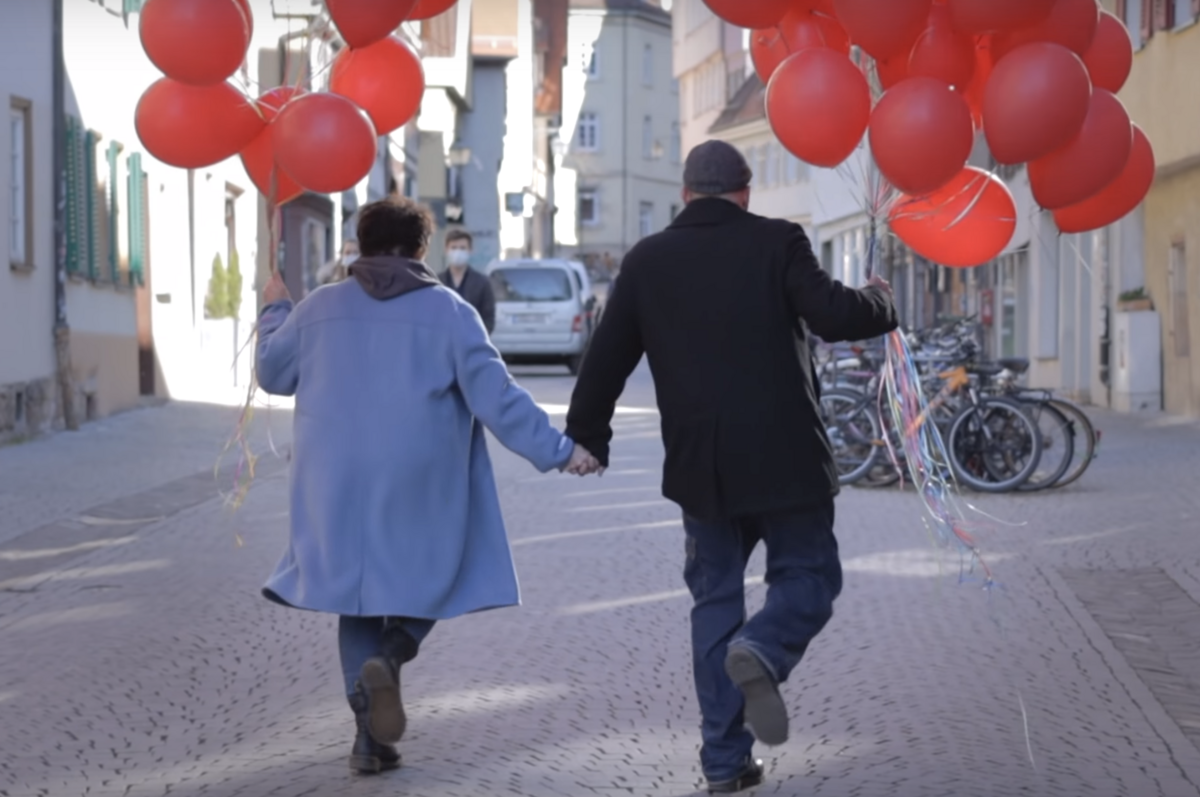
(91, 220)
(138, 241)
(113, 256)
(74, 198)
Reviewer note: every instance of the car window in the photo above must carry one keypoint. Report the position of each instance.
(531, 285)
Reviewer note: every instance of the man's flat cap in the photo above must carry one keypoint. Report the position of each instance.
(715, 167)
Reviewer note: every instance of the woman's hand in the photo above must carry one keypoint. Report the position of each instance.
(276, 290)
(582, 463)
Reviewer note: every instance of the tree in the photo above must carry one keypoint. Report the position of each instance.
(233, 286)
(216, 302)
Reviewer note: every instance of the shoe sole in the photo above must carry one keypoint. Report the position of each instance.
(740, 784)
(385, 712)
(766, 713)
(365, 765)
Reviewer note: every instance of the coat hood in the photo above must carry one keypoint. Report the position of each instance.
(388, 276)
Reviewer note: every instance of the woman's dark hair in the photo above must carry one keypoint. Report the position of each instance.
(459, 235)
(394, 226)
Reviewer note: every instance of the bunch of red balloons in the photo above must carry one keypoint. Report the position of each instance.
(1037, 78)
(290, 140)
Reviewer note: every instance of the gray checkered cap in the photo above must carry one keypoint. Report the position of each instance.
(714, 168)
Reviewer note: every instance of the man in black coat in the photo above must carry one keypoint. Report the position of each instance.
(475, 288)
(716, 302)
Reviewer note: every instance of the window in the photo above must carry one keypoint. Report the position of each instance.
(751, 156)
(112, 255)
(531, 285)
(760, 165)
(645, 218)
(676, 143)
(795, 168)
(139, 220)
(591, 62)
(648, 65)
(647, 137)
(588, 136)
(20, 195)
(589, 206)
(1184, 12)
(772, 168)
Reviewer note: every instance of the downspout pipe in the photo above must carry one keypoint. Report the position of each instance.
(62, 331)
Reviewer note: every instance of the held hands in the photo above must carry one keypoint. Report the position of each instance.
(582, 463)
(881, 284)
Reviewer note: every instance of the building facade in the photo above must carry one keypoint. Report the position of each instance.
(620, 152)
(1160, 97)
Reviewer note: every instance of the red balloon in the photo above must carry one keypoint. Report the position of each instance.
(384, 79)
(1110, 58)
(198, 42)
(943, 53)
(245, 6)
(364, 22)
(1035, 102)
(966, 222)
(984, 64)
(883, 30)
(1119, 197)
(798, 30)
(756, 14)
(1072, 24)
(996, 16)
(195, 126)
(324, 142)
(428, 9)
(259, 157)
(1093, 160)
(892, 70)
(921, 135)
(819, 104)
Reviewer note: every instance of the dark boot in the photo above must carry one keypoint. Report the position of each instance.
(748, 778)
(380, 680)
(368, 757)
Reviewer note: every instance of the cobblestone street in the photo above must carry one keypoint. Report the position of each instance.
(137, 657)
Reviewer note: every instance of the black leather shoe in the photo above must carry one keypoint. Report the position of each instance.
(368, 757)
(766, 713)
(750, 777)
(386, 720)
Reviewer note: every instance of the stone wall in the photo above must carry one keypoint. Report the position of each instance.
(28, 409)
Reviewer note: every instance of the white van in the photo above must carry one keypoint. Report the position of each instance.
(544, 311)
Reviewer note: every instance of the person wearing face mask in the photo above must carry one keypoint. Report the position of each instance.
(473, 287)
(335, 270)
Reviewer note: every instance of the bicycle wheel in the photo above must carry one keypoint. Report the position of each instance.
(1058, 444)
(994, 445)
(853, 432)
(1086, 440)
(884, 473)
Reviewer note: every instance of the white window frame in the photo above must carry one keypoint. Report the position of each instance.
(594, 196)
(587, 133)
(645, 219)
(20, 193)
(648, 65)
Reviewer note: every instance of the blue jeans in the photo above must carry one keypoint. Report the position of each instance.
(803, 578)
(362, 638)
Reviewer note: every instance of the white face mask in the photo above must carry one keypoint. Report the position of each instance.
(458, 257)
(348, 260)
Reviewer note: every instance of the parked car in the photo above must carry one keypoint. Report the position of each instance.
(544, 311)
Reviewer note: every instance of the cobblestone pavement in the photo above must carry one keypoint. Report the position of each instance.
(143, 661)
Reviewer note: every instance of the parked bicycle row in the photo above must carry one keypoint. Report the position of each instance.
(1000, 435)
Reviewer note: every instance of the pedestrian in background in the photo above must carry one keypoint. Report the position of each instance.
(395, 520)
(335, 270)
(715, 302)
(472, 286)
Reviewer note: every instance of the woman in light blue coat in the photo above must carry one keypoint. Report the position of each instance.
(395, 519)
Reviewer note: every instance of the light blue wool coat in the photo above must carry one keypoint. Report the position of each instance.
(394, 510)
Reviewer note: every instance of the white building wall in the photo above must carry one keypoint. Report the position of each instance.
(516, 170)
(27, 297)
